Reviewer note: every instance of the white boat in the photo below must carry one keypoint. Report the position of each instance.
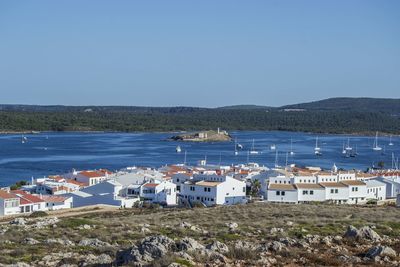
(236, 147)
(318, 153)
(317, 148)
(178, 149)
(376, 147)
(344, 150)
(390, 141)
(291, 147)
(273, 147)
(348, 147)
(253, 151)
(276, 159)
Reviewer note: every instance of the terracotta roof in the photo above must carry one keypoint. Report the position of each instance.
(308, 186)
(332, 184)
(205, 183)
(71, 181)
(26, 198)
(92, 174)
(352, 182)
(49, 198)
(287, 187)
(150, 185)
(6, 195)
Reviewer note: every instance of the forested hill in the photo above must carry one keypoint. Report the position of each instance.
(326, 116)
(347, 103)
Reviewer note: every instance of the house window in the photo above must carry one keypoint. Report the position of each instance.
(311, 192)
(305, 192)
(244, 189)
(332, 191)
(336, 191)
(278, 193)
(283, 193)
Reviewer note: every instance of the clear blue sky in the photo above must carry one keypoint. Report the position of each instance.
(197, 53)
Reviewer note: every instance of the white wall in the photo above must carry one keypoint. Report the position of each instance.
(378, 193)
(67, 204)
(8, 211)
(357, 194)
(311, 194)
(341, 195)
(289, 196)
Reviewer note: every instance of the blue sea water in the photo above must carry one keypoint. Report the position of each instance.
(53, 153)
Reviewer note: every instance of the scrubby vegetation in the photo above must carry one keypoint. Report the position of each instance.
(257, 224)
(360, 117)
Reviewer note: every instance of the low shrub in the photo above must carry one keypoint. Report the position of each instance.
(38, 214)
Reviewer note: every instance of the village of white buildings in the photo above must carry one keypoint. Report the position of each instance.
(203, 184)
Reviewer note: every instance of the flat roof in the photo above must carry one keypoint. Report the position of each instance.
(352, 182)
(288, 187)
(332, 184)
(308, 186)
(205, 183)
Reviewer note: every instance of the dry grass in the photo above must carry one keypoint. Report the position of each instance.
(254, 220)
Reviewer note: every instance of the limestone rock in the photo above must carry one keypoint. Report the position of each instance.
(381, 251)
(218, 247)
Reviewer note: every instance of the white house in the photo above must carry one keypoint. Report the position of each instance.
(9, 203)
(336, 192)
(392, 186)
(107, 193)
(357, 191)
(375, 190)
(285, 193)
(310, 192)
(29, 203)
(214, 190)
(57, 202)
(163, 192)
(90, 177)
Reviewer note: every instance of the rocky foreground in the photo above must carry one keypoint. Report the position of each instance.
(97, 241)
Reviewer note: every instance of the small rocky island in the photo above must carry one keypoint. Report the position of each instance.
(204, 136)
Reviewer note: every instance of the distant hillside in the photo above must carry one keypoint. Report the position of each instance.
(245, 107)
(326, 116)
(385, 105)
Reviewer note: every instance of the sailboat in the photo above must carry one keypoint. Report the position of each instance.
(291, 147)
(178, 149)
(236, 152)
(273, 147)
(276, 159)
(348, 147)
(317, 149)
(376, 147)
(390, 141)
(253, 151)
(344, 150)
